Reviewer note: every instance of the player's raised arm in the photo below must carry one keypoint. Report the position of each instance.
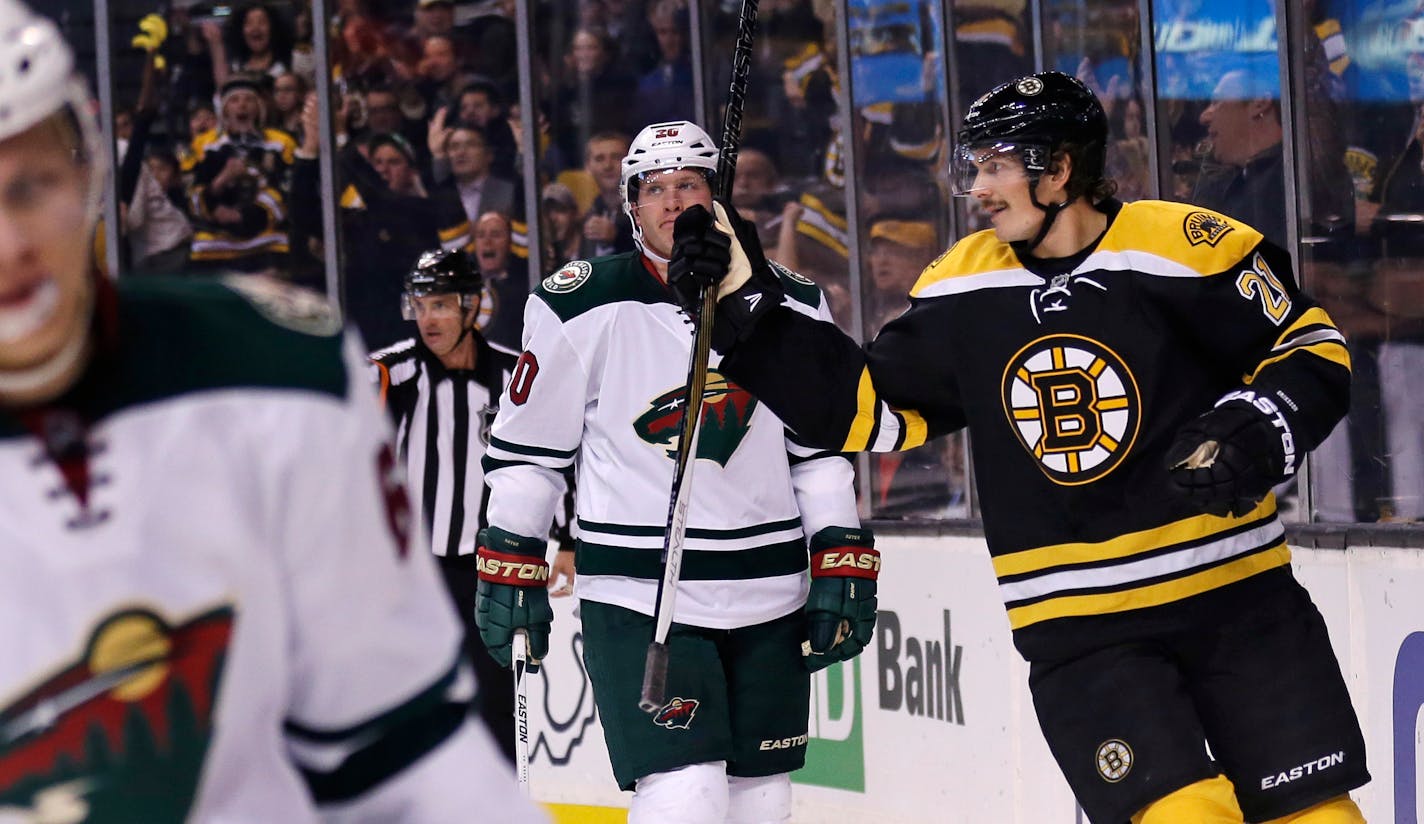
(829, 390)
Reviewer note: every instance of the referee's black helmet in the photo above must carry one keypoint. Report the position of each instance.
(442, 272)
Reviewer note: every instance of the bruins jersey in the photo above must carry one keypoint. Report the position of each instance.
(599, 386)
(1074, 377)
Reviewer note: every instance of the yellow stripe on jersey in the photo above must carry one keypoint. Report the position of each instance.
(1332, 350)
(1153, 595)
(1123, 546)
(863, 426)
(820, 236)
(1204, 241)
(916, 430)
(197, 148)
(973, 255)
(822, 225)
(453, 233)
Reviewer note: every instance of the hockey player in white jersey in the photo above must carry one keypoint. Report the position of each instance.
(600, 385)
(211, 606)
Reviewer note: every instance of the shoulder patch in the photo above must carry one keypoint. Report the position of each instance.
(1205, 227)
(573, 275)
(796, 276)
(798, 287)
(299, 310)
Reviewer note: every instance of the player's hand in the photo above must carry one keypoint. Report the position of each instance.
(840, 609)
(701, 256)
(751, 288)
(511, 595)
(1227, 460)
(563, 567)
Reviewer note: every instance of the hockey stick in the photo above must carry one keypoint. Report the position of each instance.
(521, 708)
(655, 667)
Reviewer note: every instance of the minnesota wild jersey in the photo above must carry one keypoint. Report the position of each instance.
(1074, 376)
(211, 608)
(599, 386)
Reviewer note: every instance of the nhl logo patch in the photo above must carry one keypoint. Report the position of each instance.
(1074, 405)
(1114, 760)
(1205, 227)
(569, 278)
(677, 713)
(1029, 86)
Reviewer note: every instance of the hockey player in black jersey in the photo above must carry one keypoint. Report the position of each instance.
(1136, 378)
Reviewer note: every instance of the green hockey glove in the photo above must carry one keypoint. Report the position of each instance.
(511, 593)
(840, 609)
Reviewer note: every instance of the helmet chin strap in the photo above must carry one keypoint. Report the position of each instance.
(1050, 214)
(468, 326)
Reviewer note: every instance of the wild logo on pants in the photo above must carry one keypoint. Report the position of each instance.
(677, 713)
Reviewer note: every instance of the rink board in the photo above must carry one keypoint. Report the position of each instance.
(934, 722)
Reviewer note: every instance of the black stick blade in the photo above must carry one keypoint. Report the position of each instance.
(655, 670)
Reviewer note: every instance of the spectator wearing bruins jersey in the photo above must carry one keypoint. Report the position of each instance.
(239, 178)
(1136, 378)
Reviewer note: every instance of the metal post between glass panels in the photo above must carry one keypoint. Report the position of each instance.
(104, 86)
(529, 126)
(326, 159)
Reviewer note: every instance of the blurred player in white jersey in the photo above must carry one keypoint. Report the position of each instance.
(212, 609)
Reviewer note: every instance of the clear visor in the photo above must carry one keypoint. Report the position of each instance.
(978, 168)
(417, 305)
(686, 183)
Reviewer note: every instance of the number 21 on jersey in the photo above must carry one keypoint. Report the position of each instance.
(1259, 282)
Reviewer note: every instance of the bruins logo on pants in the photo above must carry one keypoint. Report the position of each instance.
(1074, 405)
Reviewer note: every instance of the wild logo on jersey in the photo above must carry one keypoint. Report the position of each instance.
(726, 415)
(1074, 405)
(121, 733)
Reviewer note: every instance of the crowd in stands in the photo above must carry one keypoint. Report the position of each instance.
(220, 156)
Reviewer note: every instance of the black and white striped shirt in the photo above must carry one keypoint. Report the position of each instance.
(442, 419)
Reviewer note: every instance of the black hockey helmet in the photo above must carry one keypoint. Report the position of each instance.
(1035, 115)
(442, 272)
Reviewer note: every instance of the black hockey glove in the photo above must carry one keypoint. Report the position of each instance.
(747, 287)
(840, 608)
(701, 256)
(750, 290)
(511, 593)
(1227, 460)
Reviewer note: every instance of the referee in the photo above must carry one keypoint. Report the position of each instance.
(442, 389)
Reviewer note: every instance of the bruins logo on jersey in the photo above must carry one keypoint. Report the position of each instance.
(726, 416)
(1075, 406)
(1205, 227)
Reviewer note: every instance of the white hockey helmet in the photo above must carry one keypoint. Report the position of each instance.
(37, 80)
(678, 144)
